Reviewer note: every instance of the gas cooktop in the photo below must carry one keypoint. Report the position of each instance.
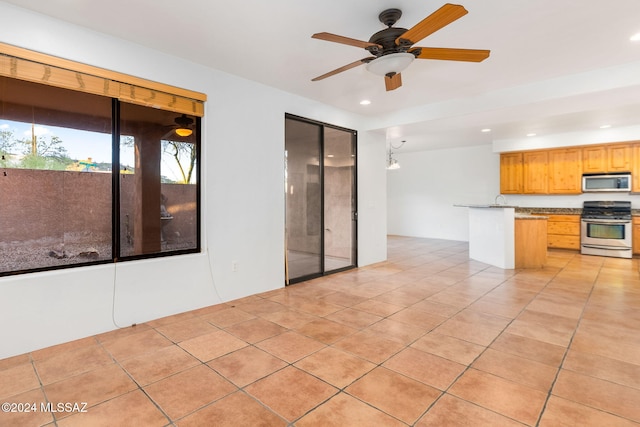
(601, 209)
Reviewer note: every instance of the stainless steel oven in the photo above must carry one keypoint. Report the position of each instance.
(606, 229)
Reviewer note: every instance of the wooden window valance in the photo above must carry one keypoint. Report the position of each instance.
(36, 67)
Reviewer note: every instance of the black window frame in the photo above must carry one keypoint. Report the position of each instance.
(116, 246)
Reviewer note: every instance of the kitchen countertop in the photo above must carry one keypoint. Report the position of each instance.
(488, 205)
(528, 216)
(550, 211)
(538, 211)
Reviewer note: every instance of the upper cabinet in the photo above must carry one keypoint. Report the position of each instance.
(635, 169)
(594, 159)
(535, 170)
(607, 158)
(559, 171)
(565, 171)
(511, 173)
(619, 157)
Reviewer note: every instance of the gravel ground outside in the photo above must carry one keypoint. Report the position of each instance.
(21, 257)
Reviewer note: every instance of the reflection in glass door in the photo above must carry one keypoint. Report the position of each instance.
(303, 222)
(320, 172)
(339, 199)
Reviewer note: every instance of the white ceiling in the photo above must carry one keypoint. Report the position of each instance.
(555, 65)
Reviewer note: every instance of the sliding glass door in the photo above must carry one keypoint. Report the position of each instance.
(303, 150)
(339, 199)
(320, 199)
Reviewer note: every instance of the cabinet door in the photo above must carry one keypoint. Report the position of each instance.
(594, 159)
(619, 158)
(563, 231)
(635, 238)
(511, 173)
(536, 177)
(564, 228)
(635, 170)
(565, 171)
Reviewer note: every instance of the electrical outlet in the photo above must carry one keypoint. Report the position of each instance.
(234, 266)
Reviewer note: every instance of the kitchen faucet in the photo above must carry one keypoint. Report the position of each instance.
(502, 198)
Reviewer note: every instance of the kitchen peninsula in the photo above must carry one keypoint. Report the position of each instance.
(500, 237)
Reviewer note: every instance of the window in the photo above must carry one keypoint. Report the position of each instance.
(64, 201)
(158, 182)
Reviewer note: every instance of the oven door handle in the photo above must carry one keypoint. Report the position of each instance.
(609, 248)
(607, 221)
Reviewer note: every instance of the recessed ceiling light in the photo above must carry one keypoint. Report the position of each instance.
(605, 126)
(329, 155)
(365, 102)
(531, 134)
(635, 37)
(486, 130)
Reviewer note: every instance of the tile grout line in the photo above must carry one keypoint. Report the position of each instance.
(566, 352)
(380, 364)
(44, 393)
(469, 366)
(342, 389)
(139, 386)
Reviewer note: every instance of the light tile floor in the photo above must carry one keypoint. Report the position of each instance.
(428, 338)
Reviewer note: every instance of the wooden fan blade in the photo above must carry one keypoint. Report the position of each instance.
(344, 40)
(432, 23)
(343, 68)
(450, 54)
(393, 82)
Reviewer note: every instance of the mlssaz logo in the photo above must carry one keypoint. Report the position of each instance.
(63, 407)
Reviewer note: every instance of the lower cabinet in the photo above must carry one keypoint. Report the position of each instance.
(530, 242)
(636, 235)
(563, 231)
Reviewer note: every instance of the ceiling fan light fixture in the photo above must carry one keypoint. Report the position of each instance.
(184, 124)
(184, 132)
(393, 63)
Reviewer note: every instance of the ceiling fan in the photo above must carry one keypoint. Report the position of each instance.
(181, 126)
(392, 49)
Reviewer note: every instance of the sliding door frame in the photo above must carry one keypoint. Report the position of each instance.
(354, 213)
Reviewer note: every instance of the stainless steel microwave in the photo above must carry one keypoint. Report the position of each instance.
(606, 182)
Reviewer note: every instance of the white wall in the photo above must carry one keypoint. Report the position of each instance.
(568, 139)
(372, 198)
(243, 200)
(423, 192)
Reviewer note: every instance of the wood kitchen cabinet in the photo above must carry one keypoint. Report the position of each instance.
(607, 158)
(565, 171)
(535, 174)
(563, 231)
(635, 169)
(619, 158)
(559, 171)
(530, 242)
(635, 237)
(594, 159)
(511, 173)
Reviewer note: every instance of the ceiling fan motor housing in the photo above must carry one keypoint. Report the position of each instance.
(387, 39)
